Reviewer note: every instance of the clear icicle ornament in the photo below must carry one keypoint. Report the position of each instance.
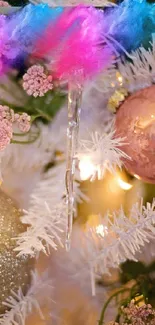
(74, 108)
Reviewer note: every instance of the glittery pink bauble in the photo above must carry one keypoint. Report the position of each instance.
(135, 120)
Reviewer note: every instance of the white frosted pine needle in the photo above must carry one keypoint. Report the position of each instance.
(115, 240)
(104, 153)
(125, 235)
(136, 73)
(46, 226)
(47, 215)
(20, 305)
(140, 72)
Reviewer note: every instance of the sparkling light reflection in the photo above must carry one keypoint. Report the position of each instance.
(124, 185)
(101, 230)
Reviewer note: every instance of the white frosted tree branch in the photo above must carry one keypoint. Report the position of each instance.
(47, 215)
(104, 153)
(140, 72)
(120, 239)
(20, 305)
(45, 230)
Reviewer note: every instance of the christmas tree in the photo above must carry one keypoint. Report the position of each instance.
(77, 162)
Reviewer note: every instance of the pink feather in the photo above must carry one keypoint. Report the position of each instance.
(74, 44)
(53, 35)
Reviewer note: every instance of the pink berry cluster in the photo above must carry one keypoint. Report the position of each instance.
(4, 4)
(7, 118)
(137, 315)
(23, 122)
(36, 82)
(142, 315)
(5, 133)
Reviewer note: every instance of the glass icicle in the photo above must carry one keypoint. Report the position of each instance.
(74, 108)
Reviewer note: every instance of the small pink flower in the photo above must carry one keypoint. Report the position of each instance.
(23, 122)
(7, 113)
(4, 112)
(5, 133)
(4, 4)
(36, 81)
(7, 118)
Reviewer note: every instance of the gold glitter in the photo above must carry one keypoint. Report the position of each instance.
(116, 99)
(14, 271)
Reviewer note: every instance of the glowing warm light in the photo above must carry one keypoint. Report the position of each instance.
(124, 185)
(101, 230)
(119, 78)
(86, 168)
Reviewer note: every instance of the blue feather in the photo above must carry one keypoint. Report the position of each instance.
(132, 24)
(28, 23)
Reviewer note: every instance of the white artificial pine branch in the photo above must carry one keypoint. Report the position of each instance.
(47, 215)
(136, 73)
(140, 72)
(104, 153)
(46, 226)
(20, 305)
(120, 239)
(125, 235)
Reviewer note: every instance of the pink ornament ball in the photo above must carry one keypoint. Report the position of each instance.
(135, 121)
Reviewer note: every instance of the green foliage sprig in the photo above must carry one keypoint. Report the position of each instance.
(137, 283)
